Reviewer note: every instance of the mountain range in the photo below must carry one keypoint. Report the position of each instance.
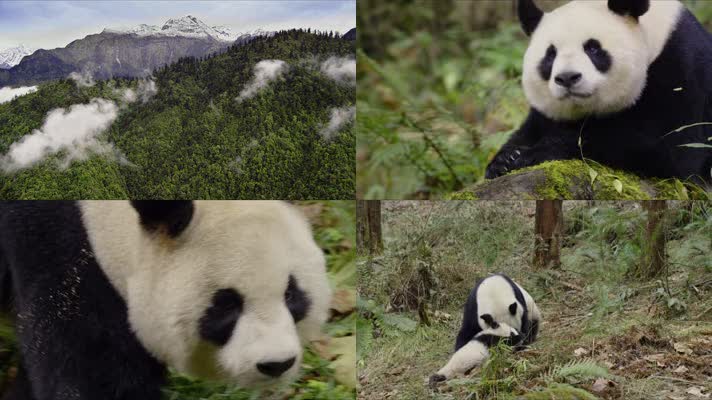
(12, 56)
(188, 26)
(133, 52)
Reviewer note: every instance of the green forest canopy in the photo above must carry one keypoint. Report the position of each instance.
(194, 140)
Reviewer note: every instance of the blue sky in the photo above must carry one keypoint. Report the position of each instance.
(50, 24)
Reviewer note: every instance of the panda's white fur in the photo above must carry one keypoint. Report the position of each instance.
(474, 353)
(633, 47)
(167, 283)
(495, 295)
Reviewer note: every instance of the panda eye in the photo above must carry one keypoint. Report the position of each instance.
(592, 46)
(296, 300)
(218, 321)
(551, 51)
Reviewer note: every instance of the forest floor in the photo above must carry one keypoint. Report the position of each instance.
(604, 335)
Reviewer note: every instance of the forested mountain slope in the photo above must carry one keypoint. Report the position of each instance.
(195, 139)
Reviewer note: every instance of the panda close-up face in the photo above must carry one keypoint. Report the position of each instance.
(230, 291)
(591, 57)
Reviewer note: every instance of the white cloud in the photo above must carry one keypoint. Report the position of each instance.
(73, 131)
(83, 79)
(340, 69)
(146, 89)
(265, 72)
(127, 96)
(339, 118)
(8, 93)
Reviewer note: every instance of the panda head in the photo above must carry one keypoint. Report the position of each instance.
(505, 333)
(588, 57)
(227, 290)
(501, 331)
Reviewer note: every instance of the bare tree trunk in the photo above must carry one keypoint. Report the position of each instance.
(654, 256)
(369, 239)
(361, 224)
(547, 233)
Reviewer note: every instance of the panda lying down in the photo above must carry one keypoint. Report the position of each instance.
(496, 309)
(107, 295)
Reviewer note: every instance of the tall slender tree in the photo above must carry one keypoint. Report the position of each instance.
(547, 233)
(369, 238)
(654, 256)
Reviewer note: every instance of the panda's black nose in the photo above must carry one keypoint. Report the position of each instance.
(275, 368)
(568, 79)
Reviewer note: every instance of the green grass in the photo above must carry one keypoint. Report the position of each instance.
(590, 303)
(321, 378)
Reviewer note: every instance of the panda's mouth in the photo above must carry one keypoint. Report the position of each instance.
(577, 95)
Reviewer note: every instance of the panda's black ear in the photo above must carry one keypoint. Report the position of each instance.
(634, 8)
(171, 217)
(513, 308)
(529, 15)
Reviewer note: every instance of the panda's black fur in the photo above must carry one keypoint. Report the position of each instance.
(639, 138)
(470, 322)
(72, 328)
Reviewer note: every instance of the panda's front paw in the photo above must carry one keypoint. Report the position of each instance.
(435, 379)
(503, 163)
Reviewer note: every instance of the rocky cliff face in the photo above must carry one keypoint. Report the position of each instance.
(109, 54)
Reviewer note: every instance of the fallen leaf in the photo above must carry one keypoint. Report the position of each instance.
(697, 392)
(656, 358)
(682, 348)
(681, 369)
(580, 352)
(601, 384)
(343, 301)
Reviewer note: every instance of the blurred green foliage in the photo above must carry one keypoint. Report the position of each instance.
(439, 91)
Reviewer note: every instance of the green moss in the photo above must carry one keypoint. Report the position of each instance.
(564, 176)
(462, 196)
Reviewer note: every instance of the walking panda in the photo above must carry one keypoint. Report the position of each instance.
(495, 300)
(475, 352)
(107, 295)
(626, 83)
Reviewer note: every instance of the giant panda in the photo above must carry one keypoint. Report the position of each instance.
(626, 83)
(495, 300)
(476, 352)
(107, 295)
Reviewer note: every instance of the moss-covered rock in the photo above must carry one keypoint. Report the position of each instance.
(579, 180)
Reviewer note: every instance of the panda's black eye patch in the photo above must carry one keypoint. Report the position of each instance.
(598, 56)
(547, 63)
(297, 301)
(219, 320)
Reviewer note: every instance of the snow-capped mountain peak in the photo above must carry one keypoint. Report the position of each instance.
(187, 26)
(11, 57)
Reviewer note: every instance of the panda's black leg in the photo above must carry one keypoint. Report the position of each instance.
(20, 388)
(511, 158)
